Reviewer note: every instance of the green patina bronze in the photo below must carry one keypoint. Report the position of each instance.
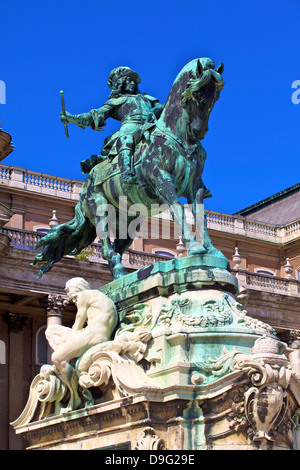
(172, 332)
(155, 158)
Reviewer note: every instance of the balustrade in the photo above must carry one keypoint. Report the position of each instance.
(263, 282)
(66, 188)
(39, 182)
(267, 282)
(22, 239)
(217, 218)
(26, 240)
(260, 228)
(4, 173)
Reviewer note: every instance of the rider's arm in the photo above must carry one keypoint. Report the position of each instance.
(100, 115)
(95, 118)
(157, 109)
(82, 120)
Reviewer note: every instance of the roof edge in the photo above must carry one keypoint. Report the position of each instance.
(268, 200)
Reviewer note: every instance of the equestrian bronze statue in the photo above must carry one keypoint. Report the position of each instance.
(155, 158)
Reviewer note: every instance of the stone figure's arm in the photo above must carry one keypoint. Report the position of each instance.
(81, 315)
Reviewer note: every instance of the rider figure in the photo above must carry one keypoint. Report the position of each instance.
(136, 111)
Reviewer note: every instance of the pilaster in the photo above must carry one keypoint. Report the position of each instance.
(16, 324)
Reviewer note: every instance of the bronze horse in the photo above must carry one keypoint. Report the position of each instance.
(168, 163)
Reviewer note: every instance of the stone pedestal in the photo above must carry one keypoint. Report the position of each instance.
(187, 369)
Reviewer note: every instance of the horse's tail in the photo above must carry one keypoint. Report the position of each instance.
(68, 238)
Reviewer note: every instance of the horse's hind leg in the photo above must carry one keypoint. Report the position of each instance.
(122, 243)
(105, 219)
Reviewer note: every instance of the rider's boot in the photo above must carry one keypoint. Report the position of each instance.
(129, 177)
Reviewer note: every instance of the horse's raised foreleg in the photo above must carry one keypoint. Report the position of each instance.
(196, 199)
(166, 190)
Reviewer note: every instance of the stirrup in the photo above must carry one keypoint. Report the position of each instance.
(130, 179)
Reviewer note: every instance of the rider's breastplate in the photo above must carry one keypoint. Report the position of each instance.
(135, 110)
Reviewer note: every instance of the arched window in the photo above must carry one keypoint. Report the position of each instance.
(298, 273)
(164, 252)
(41, 346)
(41, 229)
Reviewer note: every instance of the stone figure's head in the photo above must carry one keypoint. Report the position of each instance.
(76, 285)
(123, 80)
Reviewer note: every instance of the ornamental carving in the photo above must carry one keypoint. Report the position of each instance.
(16, 322)
(150, 441)
(185, 312)
(263, 407)
(54, 304)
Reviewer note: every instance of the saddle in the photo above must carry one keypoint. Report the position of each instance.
(108, 159)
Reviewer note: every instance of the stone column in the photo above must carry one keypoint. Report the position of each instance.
(15, 322)
(53, 305)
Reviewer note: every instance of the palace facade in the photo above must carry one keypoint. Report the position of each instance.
(262, 243)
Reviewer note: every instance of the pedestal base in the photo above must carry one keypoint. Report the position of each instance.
(187, 370)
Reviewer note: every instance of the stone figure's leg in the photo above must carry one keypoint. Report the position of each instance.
(166, 190)
(68, 374)
(57, 335)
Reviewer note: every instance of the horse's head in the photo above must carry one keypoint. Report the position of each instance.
(192, 98)
(202, 91)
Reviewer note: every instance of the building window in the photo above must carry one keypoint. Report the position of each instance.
(164, 252)
(264, 271)
(298, 274)
(40, 229)
(41, 346)
(121, 446)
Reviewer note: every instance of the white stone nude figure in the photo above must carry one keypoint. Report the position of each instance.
(95, 322)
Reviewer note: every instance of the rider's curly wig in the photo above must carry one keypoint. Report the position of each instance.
(119, 88)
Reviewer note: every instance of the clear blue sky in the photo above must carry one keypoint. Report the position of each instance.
(253, 144)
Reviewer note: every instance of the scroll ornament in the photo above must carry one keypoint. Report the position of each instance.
(264, 406)
(115, 361)
(150, 441)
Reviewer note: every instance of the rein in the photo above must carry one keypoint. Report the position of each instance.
(179, 145)
(170, 136)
